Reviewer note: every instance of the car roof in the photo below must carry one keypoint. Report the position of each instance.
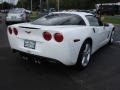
(21, 9)
(81, 14)
(77, 13)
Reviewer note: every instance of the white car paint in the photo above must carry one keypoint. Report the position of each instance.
(17, 17)
(66, 51)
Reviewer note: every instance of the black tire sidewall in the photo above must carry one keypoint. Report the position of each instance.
(80, 56)
(110, 42)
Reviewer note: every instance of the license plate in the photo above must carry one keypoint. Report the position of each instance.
(29, 44)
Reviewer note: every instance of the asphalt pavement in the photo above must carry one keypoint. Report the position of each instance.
(103, 73)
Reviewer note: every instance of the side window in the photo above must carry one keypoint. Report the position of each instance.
(92, 20)
(74, 20)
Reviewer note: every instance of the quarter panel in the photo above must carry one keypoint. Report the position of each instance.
(78, 32)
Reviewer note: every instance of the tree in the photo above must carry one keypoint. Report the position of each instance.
(6, 5)
(64, 4)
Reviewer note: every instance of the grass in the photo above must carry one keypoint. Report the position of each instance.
(112, 19)
(34, 16)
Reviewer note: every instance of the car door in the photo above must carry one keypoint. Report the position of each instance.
(107, 32)
(98, 31)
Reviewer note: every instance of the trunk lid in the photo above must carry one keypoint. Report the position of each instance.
(35, 32)
(10, 15)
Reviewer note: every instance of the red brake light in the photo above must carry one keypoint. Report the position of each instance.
(10, 30)
(58, 37)
(15, 31)
(47, 36)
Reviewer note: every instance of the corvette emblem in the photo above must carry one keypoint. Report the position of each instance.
(28, 32)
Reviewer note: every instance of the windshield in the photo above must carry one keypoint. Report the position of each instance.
(60, 19)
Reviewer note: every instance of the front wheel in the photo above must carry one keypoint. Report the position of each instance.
(84, 55)
(111, 37)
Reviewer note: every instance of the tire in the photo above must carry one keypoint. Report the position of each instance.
(84, 55)
(7, 23)
(111, 38)
(27, 19)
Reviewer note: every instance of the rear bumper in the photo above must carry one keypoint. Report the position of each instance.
(13, 22)
(9, 21)
(59, 53)
(36, 57)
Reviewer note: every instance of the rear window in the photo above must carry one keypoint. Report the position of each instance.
(60, 19)
(15, 11)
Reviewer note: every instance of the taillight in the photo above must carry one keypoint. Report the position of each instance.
(58, 37)
(10, 30)
(47, 36)
(15, 31)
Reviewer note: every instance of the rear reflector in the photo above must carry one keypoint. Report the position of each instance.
(10, 30)
(76, 40)
(47, 36)
(58, 37)
(15, 31)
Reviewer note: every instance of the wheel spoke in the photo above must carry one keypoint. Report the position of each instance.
(86, 55)
(112, 36)
(86, 48)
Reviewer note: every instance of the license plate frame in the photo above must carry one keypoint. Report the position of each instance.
(29, 44)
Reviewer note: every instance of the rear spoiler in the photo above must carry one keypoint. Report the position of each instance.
(28, 27)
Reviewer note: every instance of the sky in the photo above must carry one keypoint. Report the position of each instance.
(10, 1)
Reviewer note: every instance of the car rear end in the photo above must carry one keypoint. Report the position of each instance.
(15, 17)
(41, 41)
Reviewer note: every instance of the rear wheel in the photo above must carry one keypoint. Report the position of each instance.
(84, 55)
(7, 23)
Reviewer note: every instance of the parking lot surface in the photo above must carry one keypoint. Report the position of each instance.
(103, 73)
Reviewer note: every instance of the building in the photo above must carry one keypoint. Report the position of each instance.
(118, 3)
(14, 2)
(109, 8)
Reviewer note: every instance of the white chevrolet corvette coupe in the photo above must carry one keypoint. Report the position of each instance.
(66, 37)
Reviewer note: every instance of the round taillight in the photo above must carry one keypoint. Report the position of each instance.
(58, 37)
(15, 31)
(10, 30)
(47, 36)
